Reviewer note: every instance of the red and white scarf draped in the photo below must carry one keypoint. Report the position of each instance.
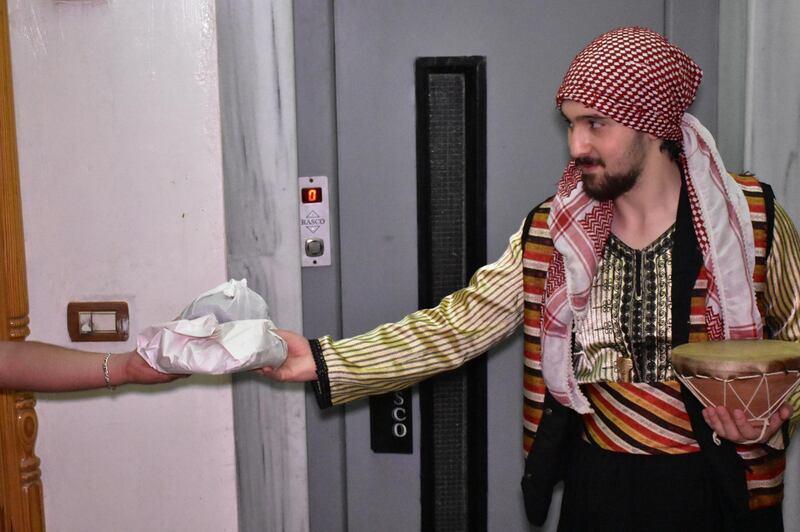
(580, 226)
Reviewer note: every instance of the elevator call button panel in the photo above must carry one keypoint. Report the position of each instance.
(315, 231)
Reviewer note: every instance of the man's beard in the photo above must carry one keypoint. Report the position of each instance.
(611, 186)
(608, 186)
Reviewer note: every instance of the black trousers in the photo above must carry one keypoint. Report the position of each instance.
(621, 492)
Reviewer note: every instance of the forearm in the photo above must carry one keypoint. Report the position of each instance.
(393, 356)
(35, 366)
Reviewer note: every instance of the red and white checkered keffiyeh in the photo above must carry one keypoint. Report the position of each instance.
(639, 79)
(635, 76)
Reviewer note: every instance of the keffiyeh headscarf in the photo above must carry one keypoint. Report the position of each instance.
(639, 79)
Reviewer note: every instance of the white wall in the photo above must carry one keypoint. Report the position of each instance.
(121, 171)
(772, 141)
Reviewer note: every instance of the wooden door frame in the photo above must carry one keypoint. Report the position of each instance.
(21, 502)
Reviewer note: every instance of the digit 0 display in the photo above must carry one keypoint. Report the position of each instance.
(311, 195)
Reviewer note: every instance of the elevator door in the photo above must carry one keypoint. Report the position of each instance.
(528, 46)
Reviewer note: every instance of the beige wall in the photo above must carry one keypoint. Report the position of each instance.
(121, 171)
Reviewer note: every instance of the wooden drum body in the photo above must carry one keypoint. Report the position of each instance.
(755, 376)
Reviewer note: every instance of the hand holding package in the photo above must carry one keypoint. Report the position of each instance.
(224, 330)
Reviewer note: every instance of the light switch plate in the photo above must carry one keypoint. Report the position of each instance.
(98, 321)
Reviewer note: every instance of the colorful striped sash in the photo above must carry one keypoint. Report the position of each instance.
(639, 418)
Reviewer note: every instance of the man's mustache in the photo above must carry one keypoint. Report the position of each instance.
(588, 161)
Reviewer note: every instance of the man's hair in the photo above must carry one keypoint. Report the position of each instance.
(673, 149)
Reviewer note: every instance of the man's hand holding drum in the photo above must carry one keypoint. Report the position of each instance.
(734, 425)
(744, 385)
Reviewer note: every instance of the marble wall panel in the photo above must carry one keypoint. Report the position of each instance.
(256, 66)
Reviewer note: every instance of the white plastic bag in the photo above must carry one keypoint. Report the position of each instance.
(229, 301)
(224, 330)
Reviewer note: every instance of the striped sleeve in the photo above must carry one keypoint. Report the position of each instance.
(783, 288)
(464, 324)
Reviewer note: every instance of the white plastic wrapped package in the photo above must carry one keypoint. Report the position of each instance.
(224, 330)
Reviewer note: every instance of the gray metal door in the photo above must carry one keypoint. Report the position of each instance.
(356, 123)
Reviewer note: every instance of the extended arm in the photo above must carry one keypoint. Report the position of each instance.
(395, 355)
(40, 367)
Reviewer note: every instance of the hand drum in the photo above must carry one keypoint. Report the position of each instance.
(755, 376)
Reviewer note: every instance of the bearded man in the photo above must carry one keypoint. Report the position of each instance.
(648, 243)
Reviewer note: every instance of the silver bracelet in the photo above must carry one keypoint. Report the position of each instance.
(106, 375)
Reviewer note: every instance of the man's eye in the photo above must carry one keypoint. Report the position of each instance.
(594, 124)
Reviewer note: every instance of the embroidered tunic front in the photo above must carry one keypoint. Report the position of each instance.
(629, 318)
(629, 314)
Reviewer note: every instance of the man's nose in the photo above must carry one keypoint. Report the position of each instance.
(579, 145)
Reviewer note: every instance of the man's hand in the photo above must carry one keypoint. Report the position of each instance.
(299, 365)
(736, 428)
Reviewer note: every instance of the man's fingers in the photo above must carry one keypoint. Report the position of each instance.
(710, 416)
(269, 372)
(737, 428)
(729, 430)
(745, 428)
(276, 374)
